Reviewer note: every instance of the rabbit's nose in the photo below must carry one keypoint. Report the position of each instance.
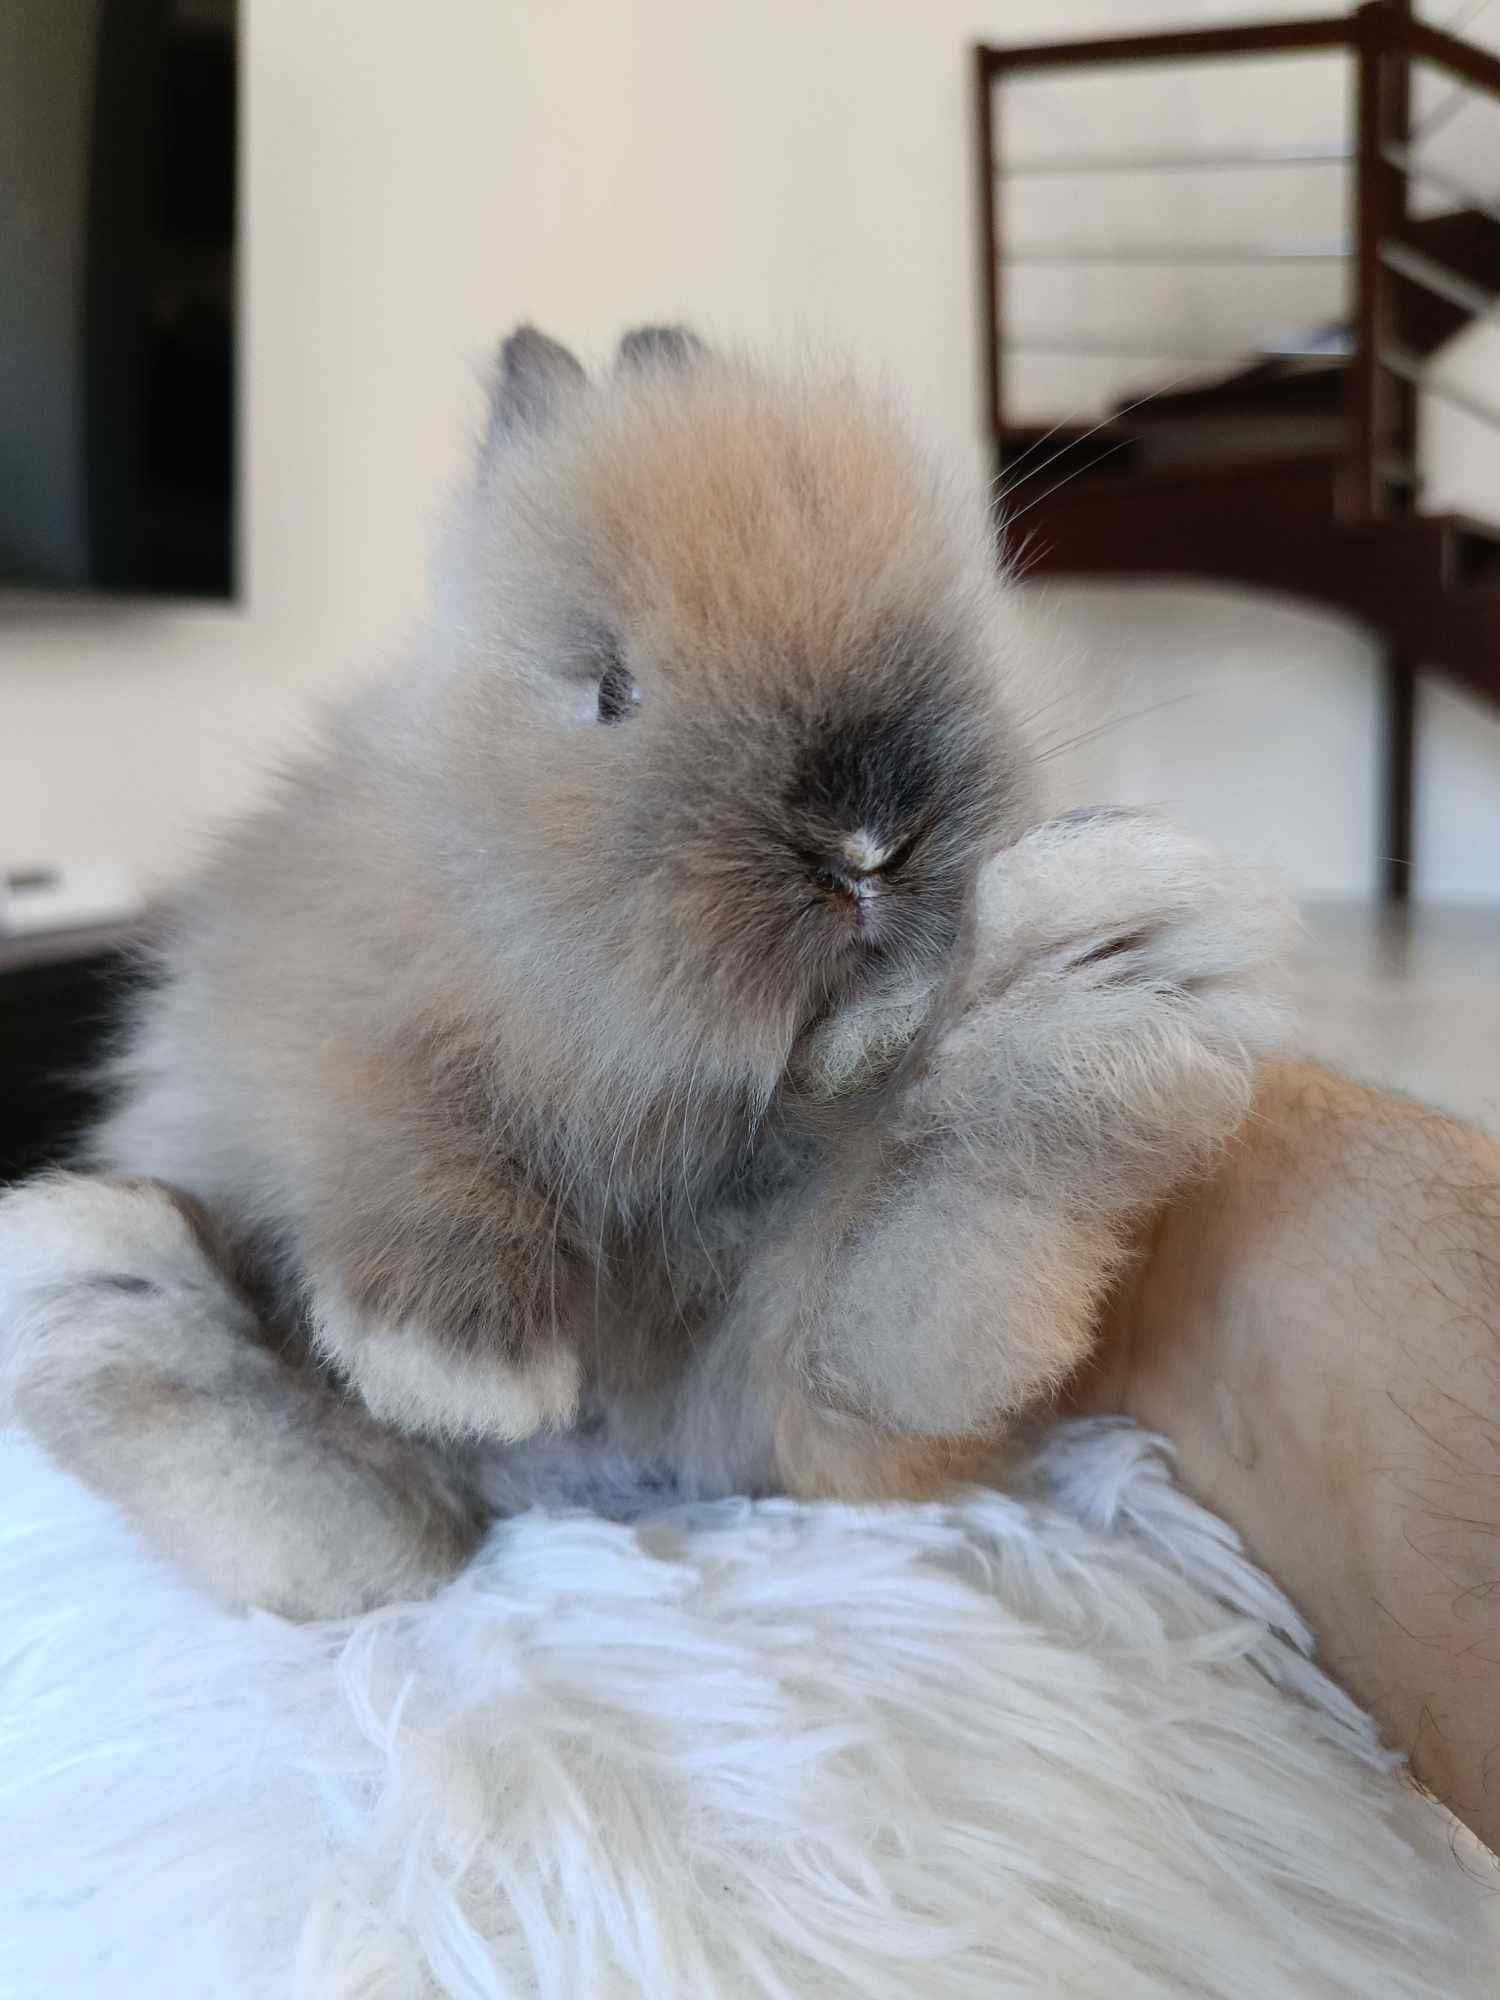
(851, 870)
(862, 854)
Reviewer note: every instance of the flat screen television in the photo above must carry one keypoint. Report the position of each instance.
(117, 296)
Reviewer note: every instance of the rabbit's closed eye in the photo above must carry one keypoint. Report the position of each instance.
(618, 694)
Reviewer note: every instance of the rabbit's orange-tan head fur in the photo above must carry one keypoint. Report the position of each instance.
(721, 698)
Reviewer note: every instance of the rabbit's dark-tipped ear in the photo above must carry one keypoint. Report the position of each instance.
(661, 347)
(534, 379)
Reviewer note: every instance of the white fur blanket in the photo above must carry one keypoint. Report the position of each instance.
(1066, 1745)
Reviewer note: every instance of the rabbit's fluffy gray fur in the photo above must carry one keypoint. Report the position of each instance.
(661, 1013)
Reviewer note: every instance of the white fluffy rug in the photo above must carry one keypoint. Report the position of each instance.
(1070, 1745)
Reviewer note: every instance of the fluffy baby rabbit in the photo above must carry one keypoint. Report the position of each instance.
(656, 1012)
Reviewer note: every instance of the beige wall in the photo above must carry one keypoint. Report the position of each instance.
(418, 177)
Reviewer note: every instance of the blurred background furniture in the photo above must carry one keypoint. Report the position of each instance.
(1298, 461)
(59, 998)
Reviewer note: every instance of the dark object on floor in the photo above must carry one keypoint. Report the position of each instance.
(58, 998)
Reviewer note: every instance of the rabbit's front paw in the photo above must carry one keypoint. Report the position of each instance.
(420, 1377)
(1125, 984)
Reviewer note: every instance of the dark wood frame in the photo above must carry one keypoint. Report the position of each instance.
(1383, 40)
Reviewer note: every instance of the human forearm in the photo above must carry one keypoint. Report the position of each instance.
(1317, 1328)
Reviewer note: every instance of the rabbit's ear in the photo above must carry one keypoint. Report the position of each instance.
(661, 347)
(534, 379)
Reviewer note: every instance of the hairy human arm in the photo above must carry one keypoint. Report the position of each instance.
(1317, 1329)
